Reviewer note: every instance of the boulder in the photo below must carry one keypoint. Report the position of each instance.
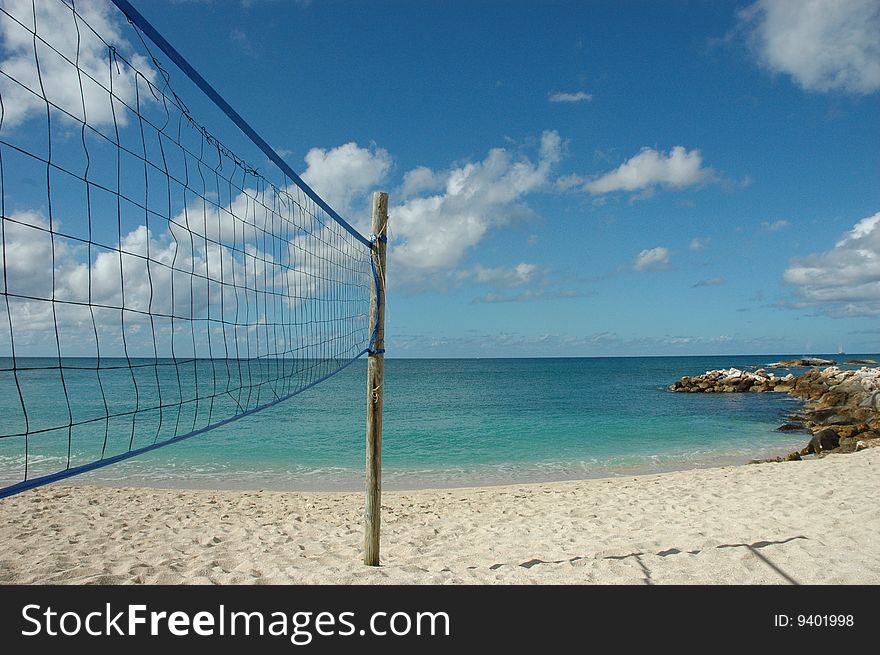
(823, 440)
(822, 416)
(848, 445)
(871, 401)
(831, 399)
(790, 427)
(869, 362)
(861, 414)
(846, 431)
(805, 361)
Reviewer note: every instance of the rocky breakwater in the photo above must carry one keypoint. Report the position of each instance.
(841, 408)
(733, 380)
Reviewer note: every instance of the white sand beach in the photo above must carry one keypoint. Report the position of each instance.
(813, 521)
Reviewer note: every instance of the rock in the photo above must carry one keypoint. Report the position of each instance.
(839, 419)
(806, 361)
(869, 435)
(771, 460)
(807, 378)
(821, 416)
(871, 401)
(831, 399)
(848, 445)
(793, 457)
(790, 427)
(861, 361)
(861, 414)
(824, 440)
(847, 431)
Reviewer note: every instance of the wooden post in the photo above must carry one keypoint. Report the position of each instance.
(375, 390)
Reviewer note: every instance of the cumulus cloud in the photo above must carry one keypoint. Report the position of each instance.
(439, 214)
(345, 174)
(419, 181)
(578, 96)
(844, 281)
(432, 233)
(645, 171)
(210, 261)
(824, 45)
(652, 259)
(63, 86)
(113, 280)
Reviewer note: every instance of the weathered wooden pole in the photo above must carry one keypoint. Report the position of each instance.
(375, 382)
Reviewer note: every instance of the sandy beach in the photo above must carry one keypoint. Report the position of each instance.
(812, 521)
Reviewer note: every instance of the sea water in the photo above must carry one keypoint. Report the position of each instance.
(447, 422)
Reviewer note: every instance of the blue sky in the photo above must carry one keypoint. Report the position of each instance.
(580, 178)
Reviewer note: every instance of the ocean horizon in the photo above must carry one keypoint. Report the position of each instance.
(447, 423)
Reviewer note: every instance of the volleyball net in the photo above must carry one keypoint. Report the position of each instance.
(154, 284)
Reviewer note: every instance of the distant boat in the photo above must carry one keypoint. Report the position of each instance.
(840, 350)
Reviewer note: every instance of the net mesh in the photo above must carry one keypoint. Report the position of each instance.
(154, 284)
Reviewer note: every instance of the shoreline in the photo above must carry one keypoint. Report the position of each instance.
(392, 485)
(810, 519)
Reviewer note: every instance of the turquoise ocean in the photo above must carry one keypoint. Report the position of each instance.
(447, 422)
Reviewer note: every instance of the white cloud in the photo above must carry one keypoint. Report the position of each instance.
(29, 246)
(506, 276)
(678, 169)
(35, 275)
(185, 276)
(578, 96)
(653, 259)
(697, 243)
(825, 45)
(433, 233)
(567, 182)
(846, 279)
(420, 180)
(775, 226)
(343, 175)
(60, 80)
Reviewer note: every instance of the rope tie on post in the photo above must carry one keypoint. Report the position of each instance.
(374, 239)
